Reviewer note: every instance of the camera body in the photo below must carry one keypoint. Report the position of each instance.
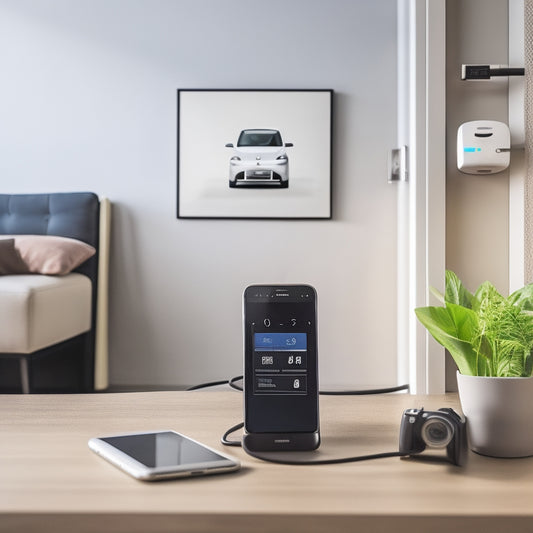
(442, 429)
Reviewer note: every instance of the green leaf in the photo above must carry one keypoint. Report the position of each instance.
(455, 291)
(523, 298)
(511, 366)
(486, 333)
(487, 297)
(453, 327)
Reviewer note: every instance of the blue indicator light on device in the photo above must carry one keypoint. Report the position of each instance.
(470, 149)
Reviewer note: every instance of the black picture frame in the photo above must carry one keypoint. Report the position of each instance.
(254, 153)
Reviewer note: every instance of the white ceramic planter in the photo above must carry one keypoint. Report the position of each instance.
(499, 414)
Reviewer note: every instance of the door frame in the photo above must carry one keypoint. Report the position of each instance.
(422, 197)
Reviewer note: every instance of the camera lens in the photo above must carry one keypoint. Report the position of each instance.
(437, 432)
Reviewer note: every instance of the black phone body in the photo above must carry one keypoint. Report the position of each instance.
(280, 368)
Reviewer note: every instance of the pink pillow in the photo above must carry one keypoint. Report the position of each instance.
(49, 254)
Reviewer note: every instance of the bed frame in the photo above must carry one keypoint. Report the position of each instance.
(78, 364)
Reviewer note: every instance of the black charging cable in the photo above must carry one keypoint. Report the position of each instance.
(208, 384)
(233, 384)
(240, 443)
(325, 461)
(227, 442)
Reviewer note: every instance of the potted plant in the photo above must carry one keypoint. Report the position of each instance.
(490, 337)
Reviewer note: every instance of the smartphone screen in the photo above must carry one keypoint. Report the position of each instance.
(161, 454)
(280, 350)
(162, 449)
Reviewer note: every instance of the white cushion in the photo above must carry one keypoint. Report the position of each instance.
(37, 311)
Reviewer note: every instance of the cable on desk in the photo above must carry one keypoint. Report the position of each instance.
(225, 440)
(232, 383)
(206, 385)
(338, 461)
(363, 391)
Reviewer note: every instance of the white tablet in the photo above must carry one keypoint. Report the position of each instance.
(161, 455)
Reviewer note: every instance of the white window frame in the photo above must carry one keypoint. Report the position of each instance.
(422, 198)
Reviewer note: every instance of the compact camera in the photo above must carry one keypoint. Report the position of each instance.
(442, 429)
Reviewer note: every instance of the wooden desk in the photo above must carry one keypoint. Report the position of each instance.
(51, 482)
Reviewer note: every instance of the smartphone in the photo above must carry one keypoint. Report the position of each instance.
(158, 455)
(280, 368)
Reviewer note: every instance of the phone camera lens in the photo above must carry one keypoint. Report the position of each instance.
(437, 432)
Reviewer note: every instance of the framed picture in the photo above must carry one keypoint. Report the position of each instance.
(254, 153)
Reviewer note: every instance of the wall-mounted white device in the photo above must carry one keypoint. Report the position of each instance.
(483, 147)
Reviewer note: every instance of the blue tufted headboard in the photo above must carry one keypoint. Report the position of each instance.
(73, 214)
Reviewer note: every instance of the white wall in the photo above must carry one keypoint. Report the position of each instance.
(477, 213)
(477, 244)
(88, 102)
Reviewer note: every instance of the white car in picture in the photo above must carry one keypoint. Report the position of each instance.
(259, 160)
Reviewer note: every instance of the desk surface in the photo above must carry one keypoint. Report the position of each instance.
(51, 481)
